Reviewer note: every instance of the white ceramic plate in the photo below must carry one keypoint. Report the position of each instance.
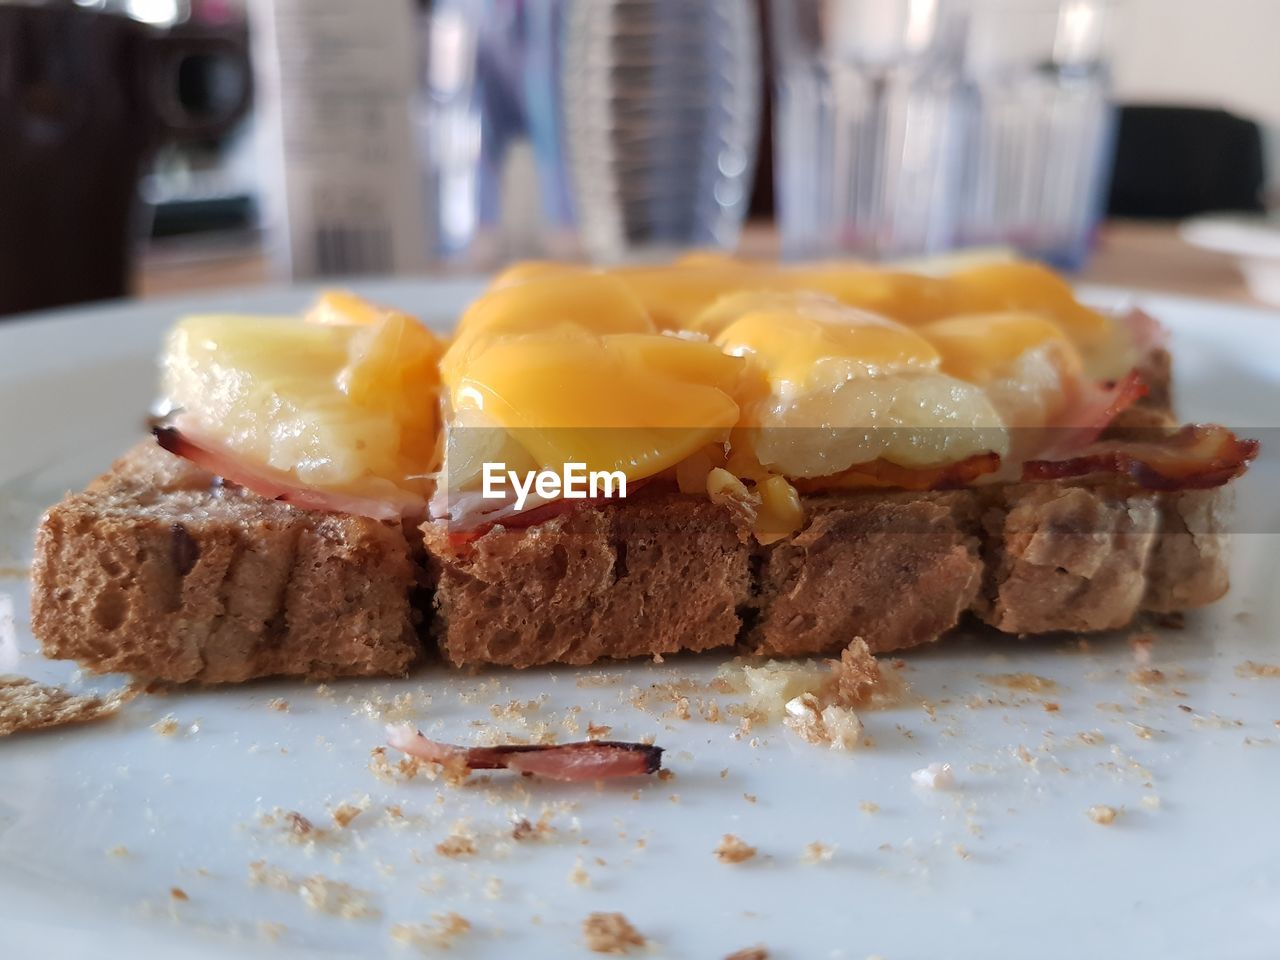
(1007, 864)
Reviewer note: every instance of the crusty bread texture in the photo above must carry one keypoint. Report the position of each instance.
(897, 569)
(159, 571)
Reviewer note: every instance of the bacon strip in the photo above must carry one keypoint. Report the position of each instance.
(276, 485)
(1090, 412)
(585, 760)
(882, 473)
(1146, 333)
(1195, 457)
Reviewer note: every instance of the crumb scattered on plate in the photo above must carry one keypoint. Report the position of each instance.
(28, 705)
(732, 849)
(611, 933)
(1251, 669)
(817, 852)
(1103, 814)
(440, 934)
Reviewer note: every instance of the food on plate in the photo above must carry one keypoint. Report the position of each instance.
(585, 760)
(714, 454)
(28, 705)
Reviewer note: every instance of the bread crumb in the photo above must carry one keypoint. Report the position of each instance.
(1147, 677)
(177, 893)
(817, 852)
(757, 952)
(1151, 802)
(406, 768)
(578, 876)
(279, 704)
(299, 825)
(271, 931)
(493, 888)
(317, 891)
(611, 933)
(936, 776)
(732, 849)
(868, 806)
(440, 934)
(1024, 682)
(1103, 814)
(166, 726)
(344, 812)
(119, 850)
(837, 727)
(598, 731)
(27, 705)
(459, 843)
(1251, 669)
(858, 676)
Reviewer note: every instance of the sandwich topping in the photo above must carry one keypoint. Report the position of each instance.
(739, 381)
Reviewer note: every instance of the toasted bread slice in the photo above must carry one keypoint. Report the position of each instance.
(158, 571)
(662, 573)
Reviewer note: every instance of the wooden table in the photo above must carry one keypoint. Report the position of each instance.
(1143, 256)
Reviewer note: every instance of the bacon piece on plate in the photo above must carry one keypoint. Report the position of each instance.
(1195, 457)
(585, 760)
(277, 485)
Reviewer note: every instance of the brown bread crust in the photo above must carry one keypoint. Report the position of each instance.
(657, 574)
(898, 569)
(156, 572)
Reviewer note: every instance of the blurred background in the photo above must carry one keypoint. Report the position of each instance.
(159, 146)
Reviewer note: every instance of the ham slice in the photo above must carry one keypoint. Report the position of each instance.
(584, 760)
(277, 485)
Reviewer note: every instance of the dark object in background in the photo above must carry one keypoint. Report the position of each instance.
(84, 99)
(1175, 162)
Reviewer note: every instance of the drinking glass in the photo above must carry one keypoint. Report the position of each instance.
(661, 103)
(1039, 122)
(867, 125)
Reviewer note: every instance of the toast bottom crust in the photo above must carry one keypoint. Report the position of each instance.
(896, 569)
(158, 571)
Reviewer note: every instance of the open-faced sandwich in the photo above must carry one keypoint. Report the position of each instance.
(710, 455)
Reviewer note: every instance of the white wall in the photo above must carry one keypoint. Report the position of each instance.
(1217, 53)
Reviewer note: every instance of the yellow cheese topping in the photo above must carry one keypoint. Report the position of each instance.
(795, 338)
(639, 403)
(981, 347)
(544, 301)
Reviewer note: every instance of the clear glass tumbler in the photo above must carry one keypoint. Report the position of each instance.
(1039, 127)
(661, 102)
(867, 125)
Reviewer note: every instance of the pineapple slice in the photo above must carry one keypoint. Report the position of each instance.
(342, 407)
(842, 387)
